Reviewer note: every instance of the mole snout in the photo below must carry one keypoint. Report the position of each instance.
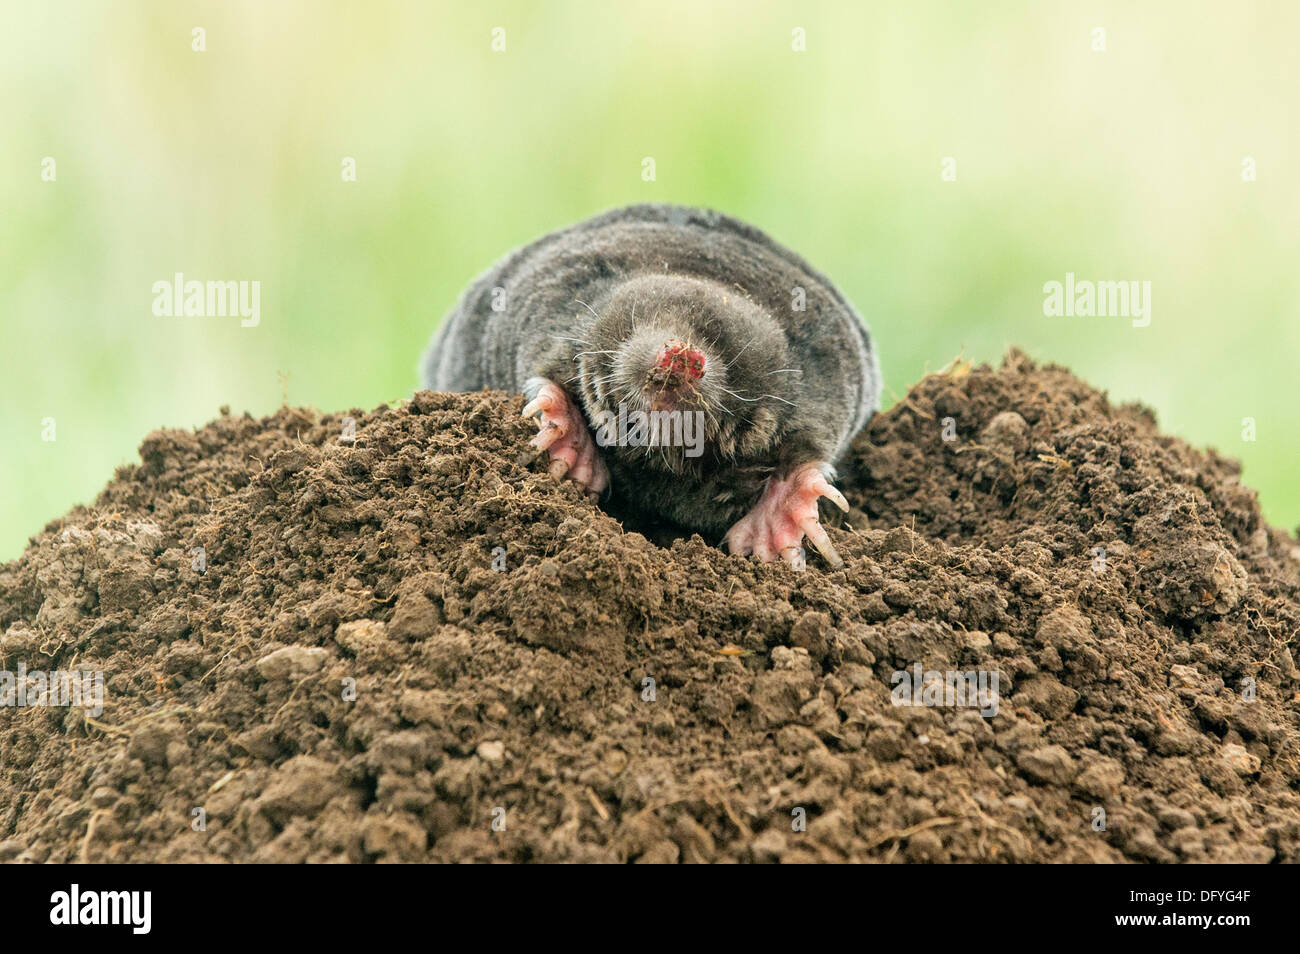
(675, 376)
(679, 362)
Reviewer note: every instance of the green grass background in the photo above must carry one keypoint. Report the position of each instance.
(1123, 164)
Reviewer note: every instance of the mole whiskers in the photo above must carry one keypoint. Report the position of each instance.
(588, 307)
(738, 397)
(740, 352)
(774, 397)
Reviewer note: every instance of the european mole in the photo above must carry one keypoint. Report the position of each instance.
(723, 376)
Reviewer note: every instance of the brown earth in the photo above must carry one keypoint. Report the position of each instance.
(522, 695)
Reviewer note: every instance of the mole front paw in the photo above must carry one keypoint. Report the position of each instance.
(563, 433)
(785, 513)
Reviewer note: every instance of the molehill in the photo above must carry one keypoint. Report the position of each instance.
(415, 645)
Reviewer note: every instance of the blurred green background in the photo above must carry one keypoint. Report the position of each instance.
(226, 165)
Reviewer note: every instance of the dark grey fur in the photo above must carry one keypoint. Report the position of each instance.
(787, 387)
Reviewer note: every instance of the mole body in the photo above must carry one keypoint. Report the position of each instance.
(680, 358)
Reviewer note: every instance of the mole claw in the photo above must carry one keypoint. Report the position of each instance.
(819, 538)
(562, 431)
(836, 498)
(795, 558)
(549, 435)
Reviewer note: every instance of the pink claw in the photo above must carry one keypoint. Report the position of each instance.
(563, 433)
(785, 513)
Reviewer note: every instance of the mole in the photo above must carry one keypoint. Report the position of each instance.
(681, 360)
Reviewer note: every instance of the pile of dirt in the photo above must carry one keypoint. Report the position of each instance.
(406, 642)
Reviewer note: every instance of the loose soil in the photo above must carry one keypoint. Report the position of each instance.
(415, 645)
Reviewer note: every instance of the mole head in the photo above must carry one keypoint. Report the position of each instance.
(682, 346)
